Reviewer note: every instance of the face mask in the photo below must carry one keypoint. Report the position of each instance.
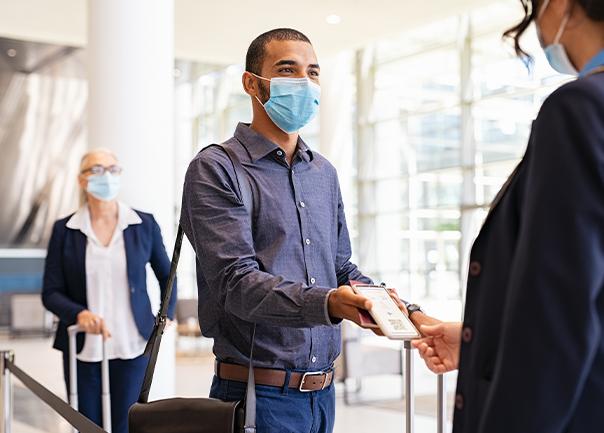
(293, 102)
(104, 186)
(556, 53)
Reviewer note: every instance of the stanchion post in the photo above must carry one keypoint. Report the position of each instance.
(6, 392)
(441, 417)
(409, 400)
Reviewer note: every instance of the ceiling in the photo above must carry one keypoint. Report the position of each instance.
(220, 31)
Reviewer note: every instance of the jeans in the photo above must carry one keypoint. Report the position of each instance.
(283, 410)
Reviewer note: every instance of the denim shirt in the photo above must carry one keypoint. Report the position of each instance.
(273, 266)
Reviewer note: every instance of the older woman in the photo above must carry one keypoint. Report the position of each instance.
(95, 276)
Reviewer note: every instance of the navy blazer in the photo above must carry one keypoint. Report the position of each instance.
(532, 351)
(64, 284)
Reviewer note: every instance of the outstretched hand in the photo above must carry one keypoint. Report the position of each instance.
(439, 347)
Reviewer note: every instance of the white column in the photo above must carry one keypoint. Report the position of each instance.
(130, 71)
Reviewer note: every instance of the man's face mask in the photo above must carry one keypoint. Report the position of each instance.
(293, 102)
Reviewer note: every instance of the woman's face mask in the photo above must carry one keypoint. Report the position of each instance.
(555, 52)
(104, 186)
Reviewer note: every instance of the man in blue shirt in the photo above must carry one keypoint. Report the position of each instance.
(282, 263)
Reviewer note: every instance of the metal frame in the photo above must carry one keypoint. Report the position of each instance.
(6, 392)
(441, 409)
(73, 378)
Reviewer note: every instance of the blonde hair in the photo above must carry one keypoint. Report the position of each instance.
(83, 196)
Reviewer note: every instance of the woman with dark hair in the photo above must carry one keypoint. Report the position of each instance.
(530, 350)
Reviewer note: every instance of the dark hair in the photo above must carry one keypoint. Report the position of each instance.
(593, 8)
(257, 49)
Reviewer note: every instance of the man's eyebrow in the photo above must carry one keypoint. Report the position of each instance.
(286, 62)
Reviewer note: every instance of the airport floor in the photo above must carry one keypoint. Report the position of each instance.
(381, 396)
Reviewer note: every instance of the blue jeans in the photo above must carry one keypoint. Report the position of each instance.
(125, 381)
(284, 410)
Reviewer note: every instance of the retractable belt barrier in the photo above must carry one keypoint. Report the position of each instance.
(84, 425)
(72, 416)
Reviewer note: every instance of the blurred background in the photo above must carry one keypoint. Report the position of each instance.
(425, 112)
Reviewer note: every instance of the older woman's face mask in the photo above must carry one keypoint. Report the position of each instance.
(102, 176)
(104, 186)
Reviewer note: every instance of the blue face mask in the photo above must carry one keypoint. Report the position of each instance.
(104, 186)
(293, 102)
(556, 53)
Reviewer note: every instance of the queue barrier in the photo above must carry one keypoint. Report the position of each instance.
(80, 423)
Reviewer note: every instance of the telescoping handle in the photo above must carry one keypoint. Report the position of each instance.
(441, 416)
(73, 377)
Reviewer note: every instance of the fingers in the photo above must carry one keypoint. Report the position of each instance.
(398, 301)
(352, 299)
(436, 330)
(104, 330)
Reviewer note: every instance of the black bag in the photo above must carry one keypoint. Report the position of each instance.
(192, 415)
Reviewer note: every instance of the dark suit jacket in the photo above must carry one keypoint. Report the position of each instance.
(64, 285)
(532, 355)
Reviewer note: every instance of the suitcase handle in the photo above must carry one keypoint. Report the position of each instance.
(441, 415)
(72, 331)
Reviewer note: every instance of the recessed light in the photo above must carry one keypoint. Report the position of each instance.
(333, 19)
(11, 52)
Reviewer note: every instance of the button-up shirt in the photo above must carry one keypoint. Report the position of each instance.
(274, 264)
(107, 288)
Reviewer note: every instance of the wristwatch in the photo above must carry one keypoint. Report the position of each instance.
(412, 308)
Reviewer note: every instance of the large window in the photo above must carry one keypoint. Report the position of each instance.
(448, 116)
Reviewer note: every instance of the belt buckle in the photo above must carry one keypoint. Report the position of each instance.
(312, 373)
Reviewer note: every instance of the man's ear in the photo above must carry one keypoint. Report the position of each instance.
(250, 84)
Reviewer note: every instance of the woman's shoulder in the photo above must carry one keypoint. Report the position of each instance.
(586, 91)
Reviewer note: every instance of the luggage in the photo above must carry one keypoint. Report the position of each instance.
(73, 378)
(193, 415)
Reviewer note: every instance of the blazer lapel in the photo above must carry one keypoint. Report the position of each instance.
(129, 241)
(79, 251)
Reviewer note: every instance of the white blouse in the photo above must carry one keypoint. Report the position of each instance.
(107, 288)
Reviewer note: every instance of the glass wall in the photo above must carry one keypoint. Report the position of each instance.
(458, 105)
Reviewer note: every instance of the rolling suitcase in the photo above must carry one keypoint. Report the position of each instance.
(73, 381)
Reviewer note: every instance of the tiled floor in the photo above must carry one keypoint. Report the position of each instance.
(193, 376)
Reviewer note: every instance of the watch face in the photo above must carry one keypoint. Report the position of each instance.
(412, 308)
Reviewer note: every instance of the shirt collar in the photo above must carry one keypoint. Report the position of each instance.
(596, 61)
(81, 219)
(259, 146)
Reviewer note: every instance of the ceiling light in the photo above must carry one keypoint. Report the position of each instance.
(333, 19)
(11, 52)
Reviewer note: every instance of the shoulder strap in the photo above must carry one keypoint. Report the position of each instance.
(247, 198)
(153, 345)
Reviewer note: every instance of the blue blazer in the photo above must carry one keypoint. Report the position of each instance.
(64, 284)
(532, 351)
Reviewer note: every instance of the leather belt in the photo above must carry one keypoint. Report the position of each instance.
(303, 382)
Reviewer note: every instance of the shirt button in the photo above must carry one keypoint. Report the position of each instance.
(314, 359)
(132, 289)
(466, 335)
(307, 241)
(459, 402)
(475, 269)
(280, 153)
(302, 204)
(313, 281)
